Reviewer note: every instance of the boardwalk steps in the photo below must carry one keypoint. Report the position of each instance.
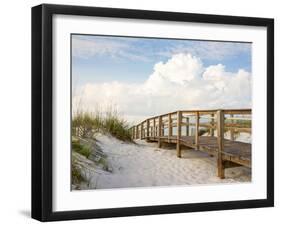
(185, 128)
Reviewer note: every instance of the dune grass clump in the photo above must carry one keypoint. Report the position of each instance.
(88, 123)
(117, 127)
(76, 176)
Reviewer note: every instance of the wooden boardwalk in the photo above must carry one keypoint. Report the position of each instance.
(203, 130)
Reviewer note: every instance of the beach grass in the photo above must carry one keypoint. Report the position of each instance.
(110, 122)
(76, 176)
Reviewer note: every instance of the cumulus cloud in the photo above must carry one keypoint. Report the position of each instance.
(181, 83)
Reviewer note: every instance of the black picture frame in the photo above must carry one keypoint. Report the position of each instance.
(42, 111)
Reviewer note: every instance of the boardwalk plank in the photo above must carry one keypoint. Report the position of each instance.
(234, 150)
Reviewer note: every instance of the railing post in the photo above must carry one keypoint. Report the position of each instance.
(159, 130)
(179, 121)
(133, 132)
(212, 124)
(147, 129)
(231, 129)
(162, 129)
(197, 130)
(141, 131)
(187, 126)
(170, 131)
(220, 131)
(154, 128)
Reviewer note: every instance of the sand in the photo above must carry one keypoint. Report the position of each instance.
(144, 165)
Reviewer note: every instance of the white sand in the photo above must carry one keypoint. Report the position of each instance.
(145, 165)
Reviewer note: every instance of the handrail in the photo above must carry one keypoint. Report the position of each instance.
(210, 112)
(226, 111)
(155, 126)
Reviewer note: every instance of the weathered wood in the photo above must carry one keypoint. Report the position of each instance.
(212, 131)
(179, 121)
(197, 129)
(238, 118)
(231, 130)
(207, 125)
(154, 127)
(227, 111)
(187, 127)
(141, 131)
(238, 111)
(234, 151)
(235, 125)
(162, 128)
(208, 117)
(170, 128)
(229, 153)
(147, 128)
(208, 112)
(220, 131)
(159, 131)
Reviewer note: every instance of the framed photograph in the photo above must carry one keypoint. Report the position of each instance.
(140, 112)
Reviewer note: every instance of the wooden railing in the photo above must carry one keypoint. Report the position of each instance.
(155, 126)
(178, 124)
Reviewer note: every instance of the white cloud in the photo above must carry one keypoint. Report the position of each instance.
(181, 83)
(186, 66)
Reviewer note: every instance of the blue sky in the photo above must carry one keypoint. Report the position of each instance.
(97, 59)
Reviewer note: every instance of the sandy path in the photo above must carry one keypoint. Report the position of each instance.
(143, 164)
